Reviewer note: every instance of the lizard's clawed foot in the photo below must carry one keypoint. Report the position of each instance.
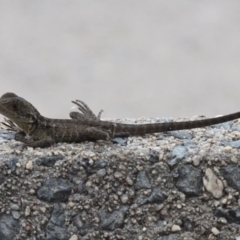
(10, 126)
(20, 136)
(85, 112)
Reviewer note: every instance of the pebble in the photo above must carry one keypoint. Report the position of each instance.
(71, 204)
(101, 172)
(215, 231)
(91, 162)
(14, 207)
(129, 180)
(73, 237)
(124, 198)
(196, 160)
(228, 149)
(29, 165)
(16, 214)
(27, 211)
(43, 209)
(224, 201)
(176, 228)
(213, 184)
(32, 191)
(234, 159)
(118, 175)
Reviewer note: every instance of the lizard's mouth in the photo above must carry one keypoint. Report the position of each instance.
(22, 122)
(14, 116)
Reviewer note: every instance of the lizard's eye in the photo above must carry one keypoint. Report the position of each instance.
(14, 107)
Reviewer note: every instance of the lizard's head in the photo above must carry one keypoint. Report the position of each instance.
(18, 110)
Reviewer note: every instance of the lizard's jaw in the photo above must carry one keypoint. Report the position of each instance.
(22, 122)
(13, 116)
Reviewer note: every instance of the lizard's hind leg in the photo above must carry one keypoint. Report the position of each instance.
(85, 112)
(98, 133)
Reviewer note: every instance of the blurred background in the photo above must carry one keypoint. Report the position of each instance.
(131, 58)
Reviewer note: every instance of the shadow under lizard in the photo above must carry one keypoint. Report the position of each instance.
(25, 119)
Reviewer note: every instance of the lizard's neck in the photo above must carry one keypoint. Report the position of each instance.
(27, 127)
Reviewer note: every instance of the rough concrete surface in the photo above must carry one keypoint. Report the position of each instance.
(175, 185)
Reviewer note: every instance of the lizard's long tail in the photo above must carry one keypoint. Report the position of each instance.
(140, 129)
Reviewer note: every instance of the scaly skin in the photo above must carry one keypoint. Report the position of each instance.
(84, 125)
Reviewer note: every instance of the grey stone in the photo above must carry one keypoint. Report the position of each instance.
(189, 179)
(142, 180)
(111, 221)
(9, 227)
(54, 190)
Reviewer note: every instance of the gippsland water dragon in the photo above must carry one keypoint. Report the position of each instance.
(24, 118)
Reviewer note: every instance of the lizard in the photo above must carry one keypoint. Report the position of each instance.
(35, 130)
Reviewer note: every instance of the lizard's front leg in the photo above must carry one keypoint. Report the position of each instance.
(21, 136)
